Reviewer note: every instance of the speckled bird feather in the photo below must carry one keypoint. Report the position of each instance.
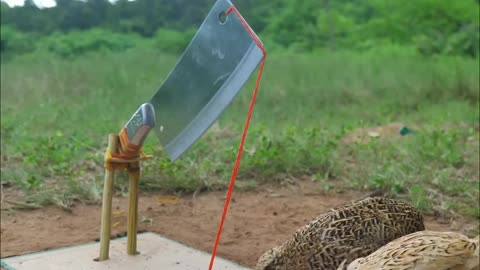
(347, 232)
(424, 250)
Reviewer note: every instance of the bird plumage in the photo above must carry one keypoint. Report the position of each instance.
(347, 232)
(423, 250)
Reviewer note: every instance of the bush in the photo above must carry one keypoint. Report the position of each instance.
(78, 43)
(14, 41)
(172, 41)
(462, 42)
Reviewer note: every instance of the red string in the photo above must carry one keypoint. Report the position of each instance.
(244, 135)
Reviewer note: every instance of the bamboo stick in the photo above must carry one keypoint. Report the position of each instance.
(134, 175)
(107, 203)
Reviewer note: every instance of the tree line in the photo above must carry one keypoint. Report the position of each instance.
(430, 26)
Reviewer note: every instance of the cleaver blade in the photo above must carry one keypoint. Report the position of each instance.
(209, 74)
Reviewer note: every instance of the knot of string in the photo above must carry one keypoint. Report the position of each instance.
(125, 155)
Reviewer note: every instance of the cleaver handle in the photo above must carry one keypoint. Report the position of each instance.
(134, 133)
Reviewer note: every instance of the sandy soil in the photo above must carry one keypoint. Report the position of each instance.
(256, 221)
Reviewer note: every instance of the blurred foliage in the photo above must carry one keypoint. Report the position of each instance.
(76, 42)
(73, 27)
(432, 27)
(15, 41)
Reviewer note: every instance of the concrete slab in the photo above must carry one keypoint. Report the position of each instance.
(156, 252)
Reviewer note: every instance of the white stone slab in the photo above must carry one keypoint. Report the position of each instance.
(156, 252)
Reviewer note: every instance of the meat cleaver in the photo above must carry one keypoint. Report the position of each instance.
(209, 74)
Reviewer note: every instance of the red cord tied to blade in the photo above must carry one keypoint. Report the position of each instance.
(245, 130)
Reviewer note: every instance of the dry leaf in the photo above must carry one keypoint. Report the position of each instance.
(118, 213)
(167, 199)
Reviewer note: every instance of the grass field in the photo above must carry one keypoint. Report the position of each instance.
(56, 115)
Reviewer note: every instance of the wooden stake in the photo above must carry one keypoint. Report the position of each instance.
(107, 203)
(134, 175)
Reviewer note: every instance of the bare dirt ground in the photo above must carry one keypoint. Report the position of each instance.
(256, 221)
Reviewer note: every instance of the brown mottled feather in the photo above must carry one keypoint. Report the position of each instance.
(424, 250)
(347, 232)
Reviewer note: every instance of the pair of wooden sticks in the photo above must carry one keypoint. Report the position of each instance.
(133, 168)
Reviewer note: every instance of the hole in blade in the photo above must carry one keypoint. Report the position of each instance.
(222, 17)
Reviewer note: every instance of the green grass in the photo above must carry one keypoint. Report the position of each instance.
(56, 115)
